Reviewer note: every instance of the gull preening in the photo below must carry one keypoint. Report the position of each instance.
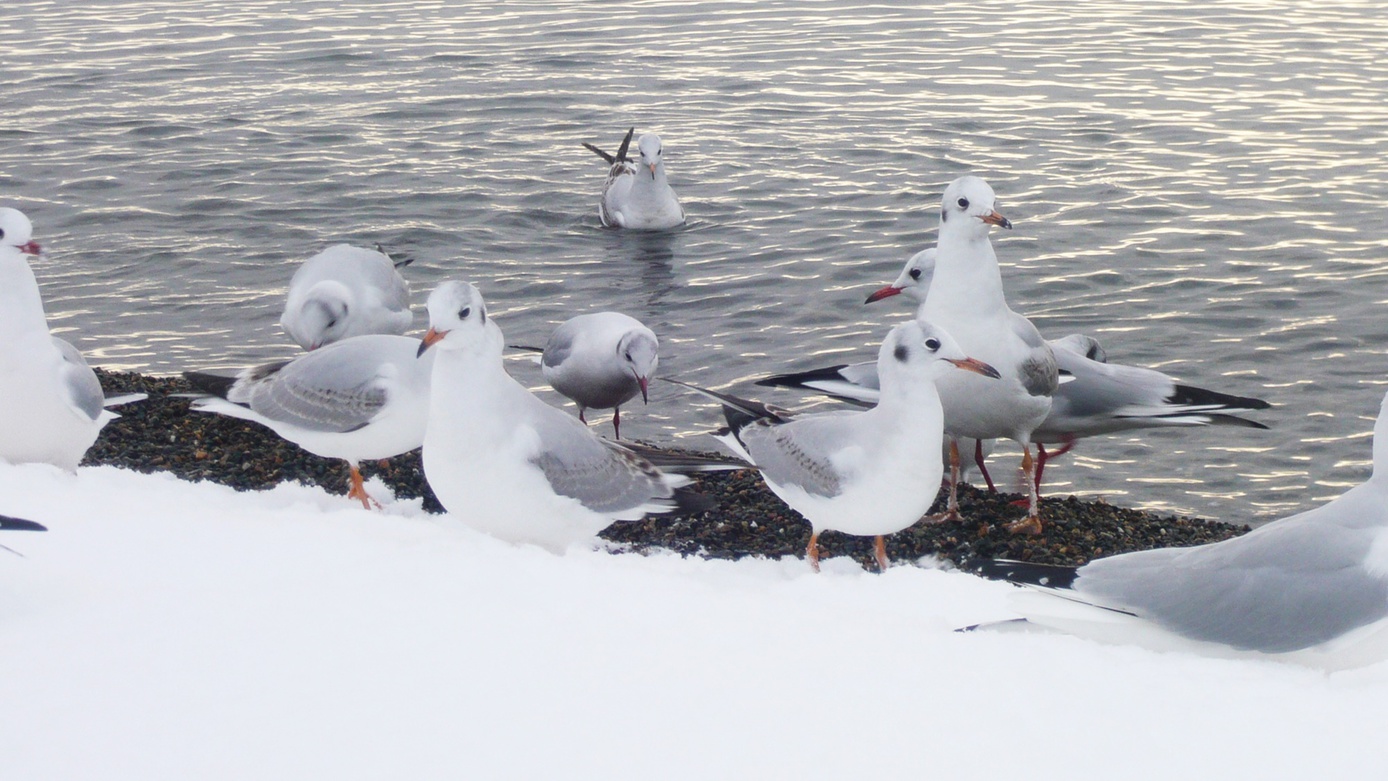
(601, 361)
(865, 472)
(51, 404)
(1095, 397)
(504, 462)
(346, 291)
(1310, 588)
(363, 398)
(637, 195)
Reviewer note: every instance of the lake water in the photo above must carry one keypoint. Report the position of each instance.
(1201, 186)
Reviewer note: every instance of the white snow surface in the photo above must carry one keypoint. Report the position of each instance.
(169, 630)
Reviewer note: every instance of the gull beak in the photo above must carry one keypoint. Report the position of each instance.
(430, 337)
(314, 346)
(32, 248)
(643, 382)
(652, 170)
(886, 292)
(975, 365)
(993, 218)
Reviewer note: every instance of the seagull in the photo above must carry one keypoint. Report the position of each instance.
(637, 195)
(1311, 588)
(346, 291)
(504, 462)
(601, 361)
(868, 472)
(363, 398)
(51, 403)
(1095, 397)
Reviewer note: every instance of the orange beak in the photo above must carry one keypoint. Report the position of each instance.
(975, 365)
(993, 218)
(430, 337)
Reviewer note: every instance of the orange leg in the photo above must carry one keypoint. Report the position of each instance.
(1032, 523)
(951, 512)
(879, 549)
(358, 491)
(812, 552)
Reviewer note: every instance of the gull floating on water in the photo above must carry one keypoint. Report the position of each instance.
(637, 195)
(864, 472)
(504, 462)
(51, 404)
(363, 398)
(601, 361)
(346, 291)
(1311, 588)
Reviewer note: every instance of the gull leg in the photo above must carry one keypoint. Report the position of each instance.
(581, 419)
(358, 491)
(616, 422)
(812, 552)
(951, 512)
(879, 549)
(978, 459)
(1032, 523)
(1042, 457)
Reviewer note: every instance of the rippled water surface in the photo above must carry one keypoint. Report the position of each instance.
(1201, 186)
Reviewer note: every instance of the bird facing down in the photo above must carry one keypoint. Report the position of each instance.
(363, 398)
(504, 462)
(1311, 588)
(864, 472)
(346, 291)
(51, 403)
(1096, 397)
(637, 195)
(601, 361)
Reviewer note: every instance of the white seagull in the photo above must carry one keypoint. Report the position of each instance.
(51, 403)
(504, 462)
(601, 361)
(636, 195)
(864, 472)
(1311, 588)
(363, 398)
(1095, 397)
(346, 291)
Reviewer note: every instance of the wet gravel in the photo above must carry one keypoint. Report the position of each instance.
(161, 434)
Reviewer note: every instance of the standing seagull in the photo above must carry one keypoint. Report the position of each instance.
(637, 195)
(1311, 588)
(504, 462)
(601, 361)
(1095, 397)
(363, 398)
(346, 291)
(870, 472)
(51, 403)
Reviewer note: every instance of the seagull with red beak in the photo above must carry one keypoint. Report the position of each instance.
(636, 195)
(601, 361)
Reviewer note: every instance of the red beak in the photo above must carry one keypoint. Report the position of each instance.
(975, 365)
(643, 382)
(32, 248)
(886, 292)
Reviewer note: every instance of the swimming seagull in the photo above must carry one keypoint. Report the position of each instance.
(363, 398)
(601, 361)
(346, 291)
(504, 462)
(1095, 397)
(51, 403)
(1311, 588)
(869, 472)
(637, 195)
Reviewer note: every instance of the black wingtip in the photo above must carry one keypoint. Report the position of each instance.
(626, 144)
(798, 379)
(1023, 572)
(8, 523)
(605, 156)
(1193, 396)
(212, 384)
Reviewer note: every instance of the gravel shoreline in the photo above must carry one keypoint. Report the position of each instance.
(161, 434)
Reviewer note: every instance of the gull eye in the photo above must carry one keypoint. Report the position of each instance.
(963, 203)
(932, 344)
(915, 273)
(464, 312)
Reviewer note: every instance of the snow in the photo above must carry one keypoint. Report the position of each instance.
(168, 630)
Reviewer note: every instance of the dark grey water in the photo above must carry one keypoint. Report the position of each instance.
(1201, 186)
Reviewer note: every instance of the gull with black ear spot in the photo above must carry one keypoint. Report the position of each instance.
(504, 462)
(346, 291)
(601, 361)
(870, 472)
(637, 195)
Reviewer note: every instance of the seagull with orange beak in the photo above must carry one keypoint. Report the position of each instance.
(636, 195)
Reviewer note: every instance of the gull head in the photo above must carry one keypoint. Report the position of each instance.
(969, 206)
(16, 232)
(323, 318)
(919, 349)
(457, 317)
(914, 280)
(638, 350)
(648, 146)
